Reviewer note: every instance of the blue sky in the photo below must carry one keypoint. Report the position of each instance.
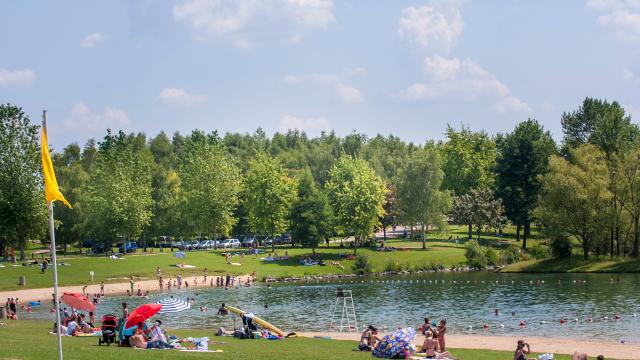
(407, 68)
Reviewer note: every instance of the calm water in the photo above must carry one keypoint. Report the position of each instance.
(463, 299)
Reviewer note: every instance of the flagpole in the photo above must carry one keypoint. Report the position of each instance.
(54, 260)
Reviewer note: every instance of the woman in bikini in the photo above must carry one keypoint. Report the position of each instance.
(368, 339)
(521, 352)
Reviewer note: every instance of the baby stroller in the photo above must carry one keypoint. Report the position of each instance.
(109, 324)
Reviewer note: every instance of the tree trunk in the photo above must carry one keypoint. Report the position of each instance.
(517, 231)
(355, 245)
(424, 237)
(524, 238)
(384, 234)
(636, 236)
(585, 249)
(618, 240)
(470, 231)
(22, 241)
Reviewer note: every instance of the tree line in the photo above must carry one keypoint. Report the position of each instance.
(129, 186)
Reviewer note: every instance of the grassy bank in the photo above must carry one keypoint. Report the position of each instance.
(29, 340)
(143, 265)
(575, 264)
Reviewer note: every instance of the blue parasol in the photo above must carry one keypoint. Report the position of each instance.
(394, 343)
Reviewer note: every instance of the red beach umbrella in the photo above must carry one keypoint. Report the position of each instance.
(78, 301)
(142, 313)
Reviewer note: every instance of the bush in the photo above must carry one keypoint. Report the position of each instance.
(474, 254)
(538, 251)
(560, 247)
(491, 256)
(362, 266)
(510, 255)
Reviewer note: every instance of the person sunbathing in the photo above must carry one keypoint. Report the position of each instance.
(430, 345)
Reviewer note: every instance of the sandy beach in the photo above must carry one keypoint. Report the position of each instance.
(44, 294)
(610, 349)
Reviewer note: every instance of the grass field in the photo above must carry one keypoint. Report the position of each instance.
(29, 340)
(143, 265)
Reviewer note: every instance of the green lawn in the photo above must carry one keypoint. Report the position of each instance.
(575, 264)
(143, 265)
(30, 340)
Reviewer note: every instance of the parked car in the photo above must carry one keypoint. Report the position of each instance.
(206, 244)
(268, 241)
(249, 241)
(131, 247)
(230, 244)
(98, 248)
(177, 244)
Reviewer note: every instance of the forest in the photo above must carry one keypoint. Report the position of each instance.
(582, 192)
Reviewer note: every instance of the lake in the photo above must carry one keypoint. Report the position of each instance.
(464, 299)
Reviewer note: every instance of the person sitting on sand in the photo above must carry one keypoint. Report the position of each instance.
(521, 352)
(430, 345)
(368, 339)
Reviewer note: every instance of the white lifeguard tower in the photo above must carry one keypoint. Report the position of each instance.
(344, 304)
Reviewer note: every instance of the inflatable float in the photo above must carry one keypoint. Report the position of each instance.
(256, 320)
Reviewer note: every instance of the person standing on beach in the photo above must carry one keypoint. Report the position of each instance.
(205, 273)
(179, 278)
(131, 283)
(442, 328)
(101, 288)
(158, 272)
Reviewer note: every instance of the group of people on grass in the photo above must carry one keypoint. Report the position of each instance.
(433, 345)
(74, 323)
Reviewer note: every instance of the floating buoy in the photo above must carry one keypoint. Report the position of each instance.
(635, 315)
(485, 327)
(502, 326)
(606, 318)
(562, 321)
(575, 320)
(470, 327)
(543, 322)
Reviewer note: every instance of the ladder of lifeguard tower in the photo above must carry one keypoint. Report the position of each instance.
(344, 304)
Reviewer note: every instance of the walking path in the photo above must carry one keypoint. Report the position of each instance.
(45, 294)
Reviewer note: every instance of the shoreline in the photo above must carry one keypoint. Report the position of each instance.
(610, 349)
(44, 295)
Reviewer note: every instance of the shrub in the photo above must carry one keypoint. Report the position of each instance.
(474, 254)
(560, 247)
(510, 255)
(538, 251)
(491, 256)
(362, 265)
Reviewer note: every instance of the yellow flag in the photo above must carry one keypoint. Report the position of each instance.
(51, 190)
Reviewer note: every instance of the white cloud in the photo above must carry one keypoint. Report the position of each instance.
(628, 74)
(92, 40)
(309, 125)
(180, 97)
(438, 24)
(547, 106)
(343, 90)
(348, 94)
(234, 18)
(81, 118)
(462, 80)
(624, 24)
(456, 79)
(511, 104)
(16, 78)
(620, 17)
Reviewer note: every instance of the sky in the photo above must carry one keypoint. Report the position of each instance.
(407, 68)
